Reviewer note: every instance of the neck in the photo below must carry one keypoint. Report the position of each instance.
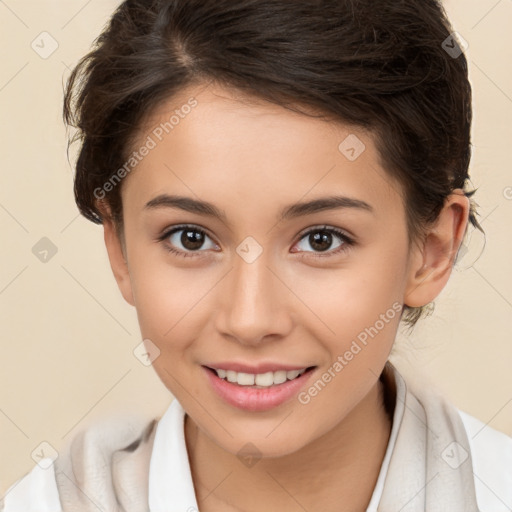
(341, 467)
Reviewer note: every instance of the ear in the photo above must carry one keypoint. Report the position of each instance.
(118, 260)
(432, 263)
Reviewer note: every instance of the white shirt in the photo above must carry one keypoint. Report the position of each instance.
(170, 479)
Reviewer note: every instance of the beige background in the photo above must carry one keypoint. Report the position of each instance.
(67, 336)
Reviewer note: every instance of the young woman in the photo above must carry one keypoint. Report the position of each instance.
(280, 183)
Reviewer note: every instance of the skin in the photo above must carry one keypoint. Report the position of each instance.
(293, 304)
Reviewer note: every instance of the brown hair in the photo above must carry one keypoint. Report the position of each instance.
(383, 65)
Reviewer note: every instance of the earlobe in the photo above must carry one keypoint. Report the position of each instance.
(431, 264)
(118, 261)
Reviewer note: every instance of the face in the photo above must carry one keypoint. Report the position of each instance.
(258, 246)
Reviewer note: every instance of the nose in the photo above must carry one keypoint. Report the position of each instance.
(254, 303)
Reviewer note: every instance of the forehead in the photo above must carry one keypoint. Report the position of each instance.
(222, 146)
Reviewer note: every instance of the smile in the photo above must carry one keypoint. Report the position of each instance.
(258, 380)
(257, 392)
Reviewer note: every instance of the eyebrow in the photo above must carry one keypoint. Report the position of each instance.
(289, 212)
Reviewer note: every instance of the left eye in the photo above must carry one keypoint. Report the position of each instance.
(190, 239)
(322, 240)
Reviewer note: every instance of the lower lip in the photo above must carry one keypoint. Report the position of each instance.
(256, 399)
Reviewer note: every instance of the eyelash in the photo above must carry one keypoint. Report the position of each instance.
(347, 242)
(163, 239)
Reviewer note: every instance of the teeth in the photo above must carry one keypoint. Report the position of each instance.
(264, 380)
(280, 377)
(245, 379)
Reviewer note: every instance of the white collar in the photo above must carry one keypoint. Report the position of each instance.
(170, 479)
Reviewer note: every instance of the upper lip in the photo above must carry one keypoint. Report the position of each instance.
(255, 368)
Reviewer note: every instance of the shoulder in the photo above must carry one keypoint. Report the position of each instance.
(491, 454)
(105, 449)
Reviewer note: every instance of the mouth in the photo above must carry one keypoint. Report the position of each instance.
(259, 380)
(260, 391)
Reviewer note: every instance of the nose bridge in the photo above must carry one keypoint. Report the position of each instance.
(253, 305)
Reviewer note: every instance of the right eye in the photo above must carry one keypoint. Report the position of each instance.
(187, 240)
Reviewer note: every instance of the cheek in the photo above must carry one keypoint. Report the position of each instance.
(363, 320)
(344, 303)
(166, 297)
(170, 315)
(168, 305)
